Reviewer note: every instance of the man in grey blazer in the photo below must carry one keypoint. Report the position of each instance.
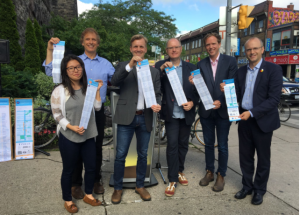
(214, 69)
(131, 115)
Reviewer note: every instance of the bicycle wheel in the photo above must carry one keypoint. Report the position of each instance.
(199, 132)
(284, 111)
(44, 127)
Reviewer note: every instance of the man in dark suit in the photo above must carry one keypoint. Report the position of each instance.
(132, 116)
(258, 89)
(214, 69)
(178, 117)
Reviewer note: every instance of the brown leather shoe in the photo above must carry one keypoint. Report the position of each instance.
(93, 202)
(143, 193)
(77, 192)
(220, 183)
(116, 196)
(207, 178)
(98, 188)
(72, 208)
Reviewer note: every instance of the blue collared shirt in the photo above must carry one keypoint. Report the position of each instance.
(247, 102)
(97, 68)
(178, 111)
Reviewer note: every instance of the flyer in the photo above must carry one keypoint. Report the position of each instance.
(231, 101)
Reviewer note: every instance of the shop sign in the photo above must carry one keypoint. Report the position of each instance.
(279, 17)
(268, 44)
(279, 52)
(278, 59)
(293, 51)
(293, 59)
(242, 60)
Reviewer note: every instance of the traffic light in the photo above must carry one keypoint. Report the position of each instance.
(244, 20)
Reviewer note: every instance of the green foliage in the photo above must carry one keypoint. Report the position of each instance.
(203, 55)
(17, 84)
(116, 23)
(183, 53)
(44, 85)
(194, 59)
(41, 43)
(9, 31)
(32, 56)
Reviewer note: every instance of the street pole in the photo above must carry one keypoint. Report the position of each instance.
(228, 28)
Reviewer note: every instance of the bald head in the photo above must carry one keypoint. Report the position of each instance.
(173, 40)
(256, 39)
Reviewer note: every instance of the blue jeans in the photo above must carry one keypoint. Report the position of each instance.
(209, 125)
(124, 137)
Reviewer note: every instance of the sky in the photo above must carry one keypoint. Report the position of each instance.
(191, 14)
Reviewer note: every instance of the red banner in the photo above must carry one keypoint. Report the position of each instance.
(294, 59)
(278, 59)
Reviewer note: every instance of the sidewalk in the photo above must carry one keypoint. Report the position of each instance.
(33, 186)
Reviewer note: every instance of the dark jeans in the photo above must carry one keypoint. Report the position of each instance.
(77, 175)
(178, 144)
(70, 153)
(252, 139)
(209, 125)
(124, 137)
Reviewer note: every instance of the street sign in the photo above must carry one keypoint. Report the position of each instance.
(222, 16)
(268, 44)
(158, 50)
(234, 43)
(153, 48)
(238, 47)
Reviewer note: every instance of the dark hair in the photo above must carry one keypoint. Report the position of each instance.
(66, 82)
(216, 35)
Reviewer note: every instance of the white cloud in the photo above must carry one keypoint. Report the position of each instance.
(82, 7)
(182, 32)
(194, 7)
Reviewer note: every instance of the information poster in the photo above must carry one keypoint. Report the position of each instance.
(231, 101)
(6, 152)
(24, 129)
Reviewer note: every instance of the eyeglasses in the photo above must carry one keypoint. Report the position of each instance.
(254, 49)
(175, 47)
(72, 69)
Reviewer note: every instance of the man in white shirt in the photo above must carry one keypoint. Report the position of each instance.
(131, 115)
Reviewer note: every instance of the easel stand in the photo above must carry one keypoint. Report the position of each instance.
(158, 165)
(39, 150)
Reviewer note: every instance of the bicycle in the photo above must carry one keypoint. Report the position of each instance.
(284, 111)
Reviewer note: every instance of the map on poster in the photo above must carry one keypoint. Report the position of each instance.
(5, 131)
(24, 129)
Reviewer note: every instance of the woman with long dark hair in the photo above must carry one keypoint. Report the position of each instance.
(67, 102)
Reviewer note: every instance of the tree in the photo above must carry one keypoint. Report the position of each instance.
(8, 30)
(41, 44)
(116, 23)
(32, 56)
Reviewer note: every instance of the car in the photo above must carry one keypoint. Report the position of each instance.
(290, 91)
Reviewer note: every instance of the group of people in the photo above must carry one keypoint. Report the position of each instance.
(258, 87)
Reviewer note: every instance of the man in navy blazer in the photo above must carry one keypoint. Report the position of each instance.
(178, 117)
(258, 89)
(214, 69)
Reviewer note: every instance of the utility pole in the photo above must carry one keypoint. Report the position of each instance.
(228, 28)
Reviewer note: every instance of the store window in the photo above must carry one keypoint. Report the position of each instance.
(245, 32)
(276, 41)
(243, 50)
(261, 23)
(193, 45)
(184, 46)
(196, 43)
(296, 41)
(187, 46)
(285, 37)
(199, 42)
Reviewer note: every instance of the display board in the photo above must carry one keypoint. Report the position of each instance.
(24, 129)
(6, 151)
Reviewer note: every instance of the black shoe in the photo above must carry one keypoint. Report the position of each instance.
(242, 194)
(257, 199)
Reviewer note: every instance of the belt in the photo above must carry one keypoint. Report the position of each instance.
(139, 112)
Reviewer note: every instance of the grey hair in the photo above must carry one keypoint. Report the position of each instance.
(172, 39)
(251, 38)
